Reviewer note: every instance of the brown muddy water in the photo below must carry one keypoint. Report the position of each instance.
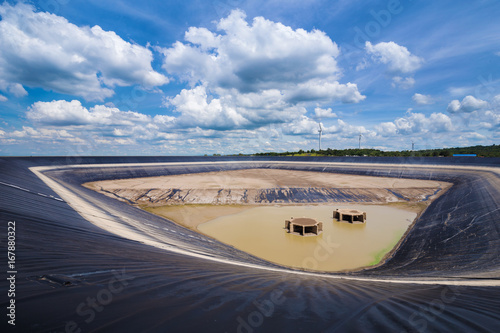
(342, 246)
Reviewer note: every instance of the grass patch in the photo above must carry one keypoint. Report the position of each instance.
(378, 256)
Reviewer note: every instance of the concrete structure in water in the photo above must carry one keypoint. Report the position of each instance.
(304, 226)
(349, 215)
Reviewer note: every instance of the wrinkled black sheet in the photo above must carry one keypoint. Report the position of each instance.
(75, 276)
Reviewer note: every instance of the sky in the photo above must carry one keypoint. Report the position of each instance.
(197, 77)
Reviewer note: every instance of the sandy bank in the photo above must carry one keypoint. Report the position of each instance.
(264, 178)
(266, 186)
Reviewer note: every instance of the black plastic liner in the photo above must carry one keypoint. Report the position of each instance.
(75, 276)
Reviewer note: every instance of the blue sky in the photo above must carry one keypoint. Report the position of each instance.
(234, 76)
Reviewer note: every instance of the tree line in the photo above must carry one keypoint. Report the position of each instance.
(480, 151)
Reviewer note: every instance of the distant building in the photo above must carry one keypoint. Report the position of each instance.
(304, 226)
(464, 155)
(349, 215)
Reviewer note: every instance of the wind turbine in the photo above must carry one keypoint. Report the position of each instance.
(360, 140)
(320, 131)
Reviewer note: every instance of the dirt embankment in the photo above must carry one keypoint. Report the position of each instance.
(267, 186)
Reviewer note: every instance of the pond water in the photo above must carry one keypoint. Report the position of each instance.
(342, 246)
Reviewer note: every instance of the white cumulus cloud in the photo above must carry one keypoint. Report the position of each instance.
(324, 90)
(64, 113)
(398, 59)
(252, 57)
(491, 120)
(416, 123)
(42, 133)
(340, 129)
(45, 50)
(423, 99)
(324, 113)
(467, 105)
(496, 100)
(198, 110)
(303, 125)
(14, 89)
(247, 75)
(387, 129)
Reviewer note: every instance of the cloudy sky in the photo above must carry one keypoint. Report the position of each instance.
(196, 77)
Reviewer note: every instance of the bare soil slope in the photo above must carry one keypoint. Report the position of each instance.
(267, 186)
